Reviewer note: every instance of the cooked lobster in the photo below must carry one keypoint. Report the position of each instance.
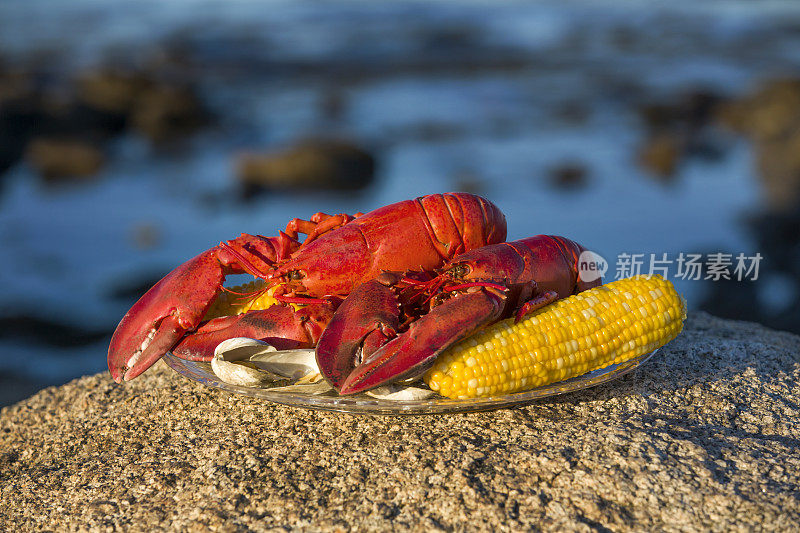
(394, 326)
(308, 278)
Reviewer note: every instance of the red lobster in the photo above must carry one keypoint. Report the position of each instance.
(377, 336)
(339, 253)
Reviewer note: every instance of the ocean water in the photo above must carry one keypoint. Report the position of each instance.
(488, 95)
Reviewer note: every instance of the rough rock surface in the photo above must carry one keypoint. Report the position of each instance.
(704, 436)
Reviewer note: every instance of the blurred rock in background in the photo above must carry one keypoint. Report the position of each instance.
(677, 130)
(660, 155)
(20, 111)
(166, 113)
(330, 165)
(58, 160)
(770, 117)
(115, 92)
(569, 177)
(61, 124)
(773, 300)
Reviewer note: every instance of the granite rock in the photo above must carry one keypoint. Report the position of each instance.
(703, 436)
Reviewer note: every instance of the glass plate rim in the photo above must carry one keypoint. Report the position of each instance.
(363, 404)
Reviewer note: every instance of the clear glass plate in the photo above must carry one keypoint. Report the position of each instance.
(363, 404)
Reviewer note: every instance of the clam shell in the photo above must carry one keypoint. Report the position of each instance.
(231, 362)
(251, 363)
(291, 364)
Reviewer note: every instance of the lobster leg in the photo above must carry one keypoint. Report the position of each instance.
(280, 325)
(318, 225)
(537, 302)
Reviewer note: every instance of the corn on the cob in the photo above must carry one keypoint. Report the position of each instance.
(591, 330)
(240, 299)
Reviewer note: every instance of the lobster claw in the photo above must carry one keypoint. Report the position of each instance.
(173, 306)
(406, 355)
(177, 304)
(352, 334)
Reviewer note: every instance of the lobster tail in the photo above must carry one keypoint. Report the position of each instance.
(421, 234)
(459, 222)
(572, 252)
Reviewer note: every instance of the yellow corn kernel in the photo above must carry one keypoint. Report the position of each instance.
(594, 329)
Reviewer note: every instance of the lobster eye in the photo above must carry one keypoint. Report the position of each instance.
(295, 274)
(460, 270)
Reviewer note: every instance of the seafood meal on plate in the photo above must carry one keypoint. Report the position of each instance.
(418, 299)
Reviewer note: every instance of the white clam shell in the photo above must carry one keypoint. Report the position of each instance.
(250, 363)
(231, 362)
(291, 364)
(240, 373)
(241, 349)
